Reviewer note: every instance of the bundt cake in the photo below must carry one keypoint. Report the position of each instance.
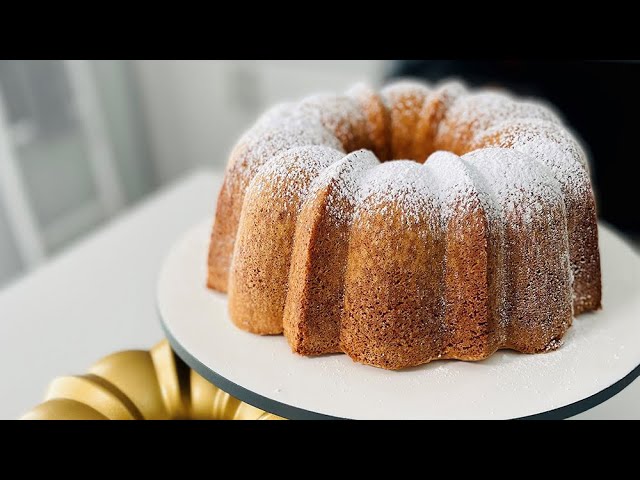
(409, 225)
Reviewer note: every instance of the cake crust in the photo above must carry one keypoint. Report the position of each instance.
(406, 226)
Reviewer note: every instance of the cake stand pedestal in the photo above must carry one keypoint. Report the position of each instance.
(600, 356)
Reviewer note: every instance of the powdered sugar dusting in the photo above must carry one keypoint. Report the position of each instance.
(345, 178)
(403, 89)
(405, 96)
(329, 120)
(529, 130)
(473, 114)
(456, 190)
(278, 134)
(419, 193)
(521, 195)
(511, 182)
(547, 143)
(332, 109)
(291, 173)
(399, 186)
(550, 145)
(451, 88)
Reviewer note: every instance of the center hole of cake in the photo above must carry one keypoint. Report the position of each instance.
(404, 155)
(411, 152)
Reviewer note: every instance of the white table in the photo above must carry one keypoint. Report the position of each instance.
(98, 297)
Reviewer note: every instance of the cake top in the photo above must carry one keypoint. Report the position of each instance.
(512, 183)
(483, 109)
(345, 178)
(290, 173)
(406, 91)
(518, 149)
(546, 142)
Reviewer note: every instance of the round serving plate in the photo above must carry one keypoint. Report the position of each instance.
(600, 356)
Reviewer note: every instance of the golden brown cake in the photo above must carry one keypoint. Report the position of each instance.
(407, 226)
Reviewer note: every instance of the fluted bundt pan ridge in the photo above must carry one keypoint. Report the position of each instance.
(141, 385)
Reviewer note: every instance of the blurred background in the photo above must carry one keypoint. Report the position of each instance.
(83, 140)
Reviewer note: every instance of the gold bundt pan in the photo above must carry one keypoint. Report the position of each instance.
(141, 385)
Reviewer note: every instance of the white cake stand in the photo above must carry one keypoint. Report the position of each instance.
(600, 357)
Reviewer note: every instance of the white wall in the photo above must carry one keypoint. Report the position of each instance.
(195, 109)
(10, 262)
(51, 118)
